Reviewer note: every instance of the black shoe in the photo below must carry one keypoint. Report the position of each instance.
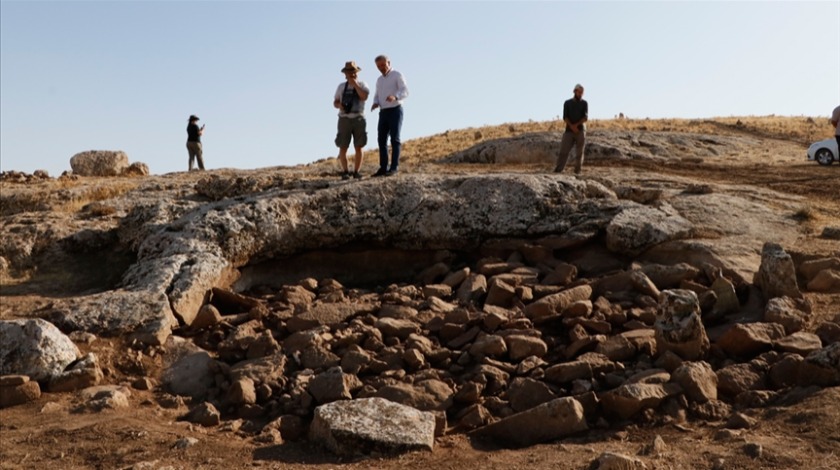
(356, 175)
(345, 176)
(558, 169)
(391, 172)
(380, 172)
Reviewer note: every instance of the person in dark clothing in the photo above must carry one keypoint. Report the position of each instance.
(194, 142)
(575, 115)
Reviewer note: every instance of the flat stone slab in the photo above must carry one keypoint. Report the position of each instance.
(369, 425)
(547, 422)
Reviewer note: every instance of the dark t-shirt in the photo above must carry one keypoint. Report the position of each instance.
(193, 133)
(575, 110)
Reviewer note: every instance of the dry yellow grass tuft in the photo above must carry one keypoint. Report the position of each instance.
(101, 192)
(63, 195)
(806, 213)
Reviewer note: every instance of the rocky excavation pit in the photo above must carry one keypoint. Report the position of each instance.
(494, 347)
(531, 307)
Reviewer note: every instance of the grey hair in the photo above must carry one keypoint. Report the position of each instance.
(382, 57)
(578, 86)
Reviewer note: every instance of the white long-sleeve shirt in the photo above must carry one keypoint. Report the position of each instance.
(391, 84)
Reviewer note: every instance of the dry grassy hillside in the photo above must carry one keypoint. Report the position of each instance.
(798, 130)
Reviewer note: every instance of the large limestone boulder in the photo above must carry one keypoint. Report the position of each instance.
(367, 425)
(822, 367)
(801, 343)
(745, 340)
(527, 148)
(525, 393)
(678, 325)
(737, 223)
(636, 229)
(17, 390)
(790, 313)
(809, 269)
(136, 169)
(428, 395)
(615, 461)
(190, 369)
(552, 420)
(739, 378)
(81, 374)
(628, 399)
(333, 385)
(698, 380)
(542, 147)
(35, 348)
(776, 276)
(262, 369)
(556, 303)
(99, 163)
(827, 280)
(145, 314)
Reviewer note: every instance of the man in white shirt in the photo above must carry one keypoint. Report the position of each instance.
(350, 99)
(391, 90)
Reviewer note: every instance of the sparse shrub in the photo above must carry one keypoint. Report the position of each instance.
(805, 213)
(98, 209)
(76, 201)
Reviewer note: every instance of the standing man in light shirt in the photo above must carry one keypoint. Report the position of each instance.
(350, 99)
(835, 121)
(391, 90)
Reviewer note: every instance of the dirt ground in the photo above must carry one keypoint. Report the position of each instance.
(803, 432)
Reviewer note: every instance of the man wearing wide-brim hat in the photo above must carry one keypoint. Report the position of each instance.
(350, 99)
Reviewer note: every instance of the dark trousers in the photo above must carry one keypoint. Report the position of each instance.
(390, 123)
(570, 139)
(194, 149)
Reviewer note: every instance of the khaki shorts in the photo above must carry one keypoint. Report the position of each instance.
(354, 128)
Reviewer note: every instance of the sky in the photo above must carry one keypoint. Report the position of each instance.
(126, 75)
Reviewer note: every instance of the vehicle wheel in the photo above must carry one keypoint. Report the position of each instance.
(824, 157)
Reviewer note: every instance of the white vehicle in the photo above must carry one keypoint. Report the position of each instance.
(824, 151)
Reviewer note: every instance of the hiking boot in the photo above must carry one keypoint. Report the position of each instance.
(345, 176)
(356, 175)
(391, 172)
(380, 172)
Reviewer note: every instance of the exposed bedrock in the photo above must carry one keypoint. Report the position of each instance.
(181, 254)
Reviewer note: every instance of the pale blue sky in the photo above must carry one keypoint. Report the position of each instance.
(125, 75)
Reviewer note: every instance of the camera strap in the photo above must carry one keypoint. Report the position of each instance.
(352, 95)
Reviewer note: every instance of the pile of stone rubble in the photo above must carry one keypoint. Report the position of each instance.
(520, 349)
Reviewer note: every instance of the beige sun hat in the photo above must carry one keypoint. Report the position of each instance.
(351, 67)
